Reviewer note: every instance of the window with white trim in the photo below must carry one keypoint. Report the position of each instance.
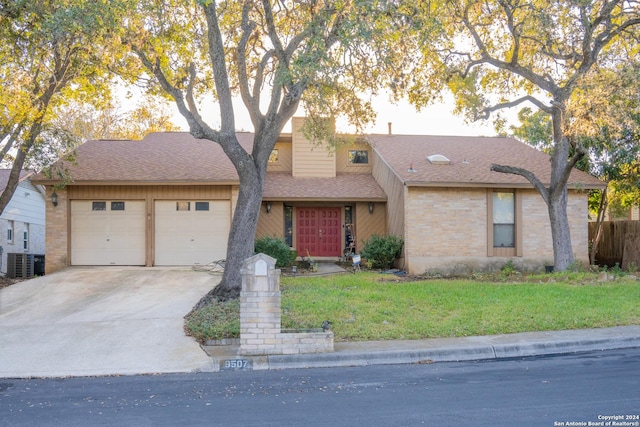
(504, 219)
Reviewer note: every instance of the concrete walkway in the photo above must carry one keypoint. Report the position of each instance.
(101, 321)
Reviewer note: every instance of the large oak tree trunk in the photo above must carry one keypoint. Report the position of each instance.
(240, 244)
(560, 232)
(556, 196)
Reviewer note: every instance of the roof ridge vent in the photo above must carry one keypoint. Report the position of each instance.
(438, 159)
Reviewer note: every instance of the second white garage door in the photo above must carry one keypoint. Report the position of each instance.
(188, 233)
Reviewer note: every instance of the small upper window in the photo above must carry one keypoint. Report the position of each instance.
(202, 206)
(358, 156)
(117, 206)
(275, 156)
(10, 232)
(183, 206)
(99, 206)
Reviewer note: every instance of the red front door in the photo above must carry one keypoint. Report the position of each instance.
(318, 231)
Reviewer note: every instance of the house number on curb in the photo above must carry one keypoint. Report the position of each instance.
(235, 364)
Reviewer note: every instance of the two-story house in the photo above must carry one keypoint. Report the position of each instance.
(169, 199)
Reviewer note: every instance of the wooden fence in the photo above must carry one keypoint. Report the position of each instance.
(620, 243)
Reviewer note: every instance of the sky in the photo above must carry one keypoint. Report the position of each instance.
(437, 119)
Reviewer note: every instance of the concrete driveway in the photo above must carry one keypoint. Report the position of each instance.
(101, 321)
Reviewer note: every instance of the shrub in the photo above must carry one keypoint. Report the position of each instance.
(380, 251)
(275, 248)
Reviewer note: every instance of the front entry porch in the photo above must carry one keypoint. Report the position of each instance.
(319, 231)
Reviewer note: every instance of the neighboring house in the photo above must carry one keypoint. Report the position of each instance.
(22, 224)
(169, 199)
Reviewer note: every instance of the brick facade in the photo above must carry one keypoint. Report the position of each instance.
(446, 230)
(57, 232)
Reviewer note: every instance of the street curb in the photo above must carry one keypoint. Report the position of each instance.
(389, 357)
(473, 348)
(564, 347)
(501, 351)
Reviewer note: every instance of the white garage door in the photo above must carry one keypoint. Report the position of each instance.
(107, 232)
(188, 233)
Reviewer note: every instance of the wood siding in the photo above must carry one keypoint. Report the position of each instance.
(310, 160)
(366, 224)
(26, 211)
(342, 159)
(151, 192)
(271, 224)
(26, 205)
(396, 192)
(285, 159)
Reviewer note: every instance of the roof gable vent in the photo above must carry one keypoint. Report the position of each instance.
(438, 159)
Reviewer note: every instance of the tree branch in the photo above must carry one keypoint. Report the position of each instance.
(191, 102)
(197, 126)
(530, 176)
(8, 145)
(513, 65)
(280, 52)
(220, 76)
(486, 112)
(566, 172)
(252, 101)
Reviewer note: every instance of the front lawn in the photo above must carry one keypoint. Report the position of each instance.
(371, 306)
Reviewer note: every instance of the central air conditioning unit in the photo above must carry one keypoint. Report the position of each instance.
(19, 265)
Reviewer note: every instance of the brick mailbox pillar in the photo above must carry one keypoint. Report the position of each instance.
(260, 315)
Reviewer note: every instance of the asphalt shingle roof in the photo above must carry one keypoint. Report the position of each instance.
(178, 157)
(281, 185)
(158, 158)
(470, 160)
(4, 177)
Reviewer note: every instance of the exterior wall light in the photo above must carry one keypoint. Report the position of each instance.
(268, 207)
(54, 198)
(371, 207)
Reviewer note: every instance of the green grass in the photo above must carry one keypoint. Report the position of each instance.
(370, 306)
(215, 321)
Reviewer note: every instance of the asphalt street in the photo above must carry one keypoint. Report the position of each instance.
(578, 389)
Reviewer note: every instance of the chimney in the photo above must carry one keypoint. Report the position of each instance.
(390, 127)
